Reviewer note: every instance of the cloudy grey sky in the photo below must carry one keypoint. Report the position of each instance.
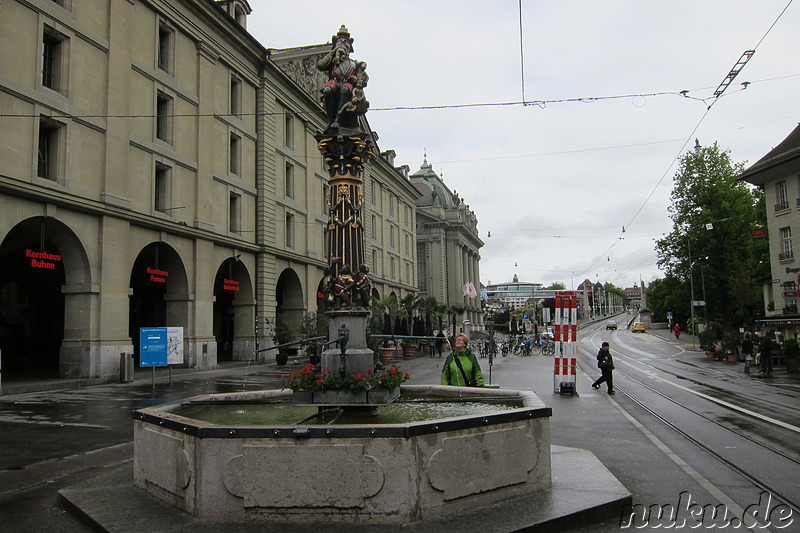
(555, 182)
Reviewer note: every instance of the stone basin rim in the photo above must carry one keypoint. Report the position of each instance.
(165, 416)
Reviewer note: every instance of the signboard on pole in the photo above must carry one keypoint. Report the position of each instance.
(152, 347)
(160, 346)
(174, 345)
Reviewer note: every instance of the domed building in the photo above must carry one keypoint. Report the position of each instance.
(448, 245)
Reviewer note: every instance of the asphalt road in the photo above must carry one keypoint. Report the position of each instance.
(658, 435)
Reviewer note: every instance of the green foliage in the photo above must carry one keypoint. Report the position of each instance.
(283, 332)
(713, 214)
(708, 341)
(791, 349)
(730, 341)
(557, 286)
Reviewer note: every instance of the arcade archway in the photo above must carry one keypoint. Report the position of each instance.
(289, 299)
(234, 311)
(159, 295)
(36, 259)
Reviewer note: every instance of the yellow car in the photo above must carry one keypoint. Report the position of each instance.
(638, 326)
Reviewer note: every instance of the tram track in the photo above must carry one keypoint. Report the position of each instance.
(761, 484)
(587, 359)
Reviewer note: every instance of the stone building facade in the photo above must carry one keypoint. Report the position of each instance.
(448, 244)
(778, 174)
(158, 169)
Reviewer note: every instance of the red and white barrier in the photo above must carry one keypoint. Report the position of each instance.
(566, 339)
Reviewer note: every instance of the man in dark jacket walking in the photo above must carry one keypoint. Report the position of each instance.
(606, 365)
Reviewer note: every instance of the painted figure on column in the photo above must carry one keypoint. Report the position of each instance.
(362, 289)
(343, 94)
(343, 288)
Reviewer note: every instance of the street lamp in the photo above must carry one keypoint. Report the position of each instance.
(691, 284)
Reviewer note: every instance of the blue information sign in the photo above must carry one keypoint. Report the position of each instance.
(152, 347)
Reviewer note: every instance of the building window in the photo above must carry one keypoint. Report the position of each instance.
(288, 180)
(374, 266)
(374, 191)
(234, 204)
(409, 274)
(392, 205)
(392, 236)
(163, 188)
(781, 196)
(289, 230)
(786, 244)
(375, 227)
(288, 130)
(165, 38)
(235, 152)
(164, 117)
(53, 47)
(236, 97)
(325, 198)
(393, 268)
(50, 142)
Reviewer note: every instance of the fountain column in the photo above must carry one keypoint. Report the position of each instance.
(345, 147)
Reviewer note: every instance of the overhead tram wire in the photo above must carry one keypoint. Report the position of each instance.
(737, 68)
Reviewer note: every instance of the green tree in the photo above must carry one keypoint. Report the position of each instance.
(557, 286)
(713, 215)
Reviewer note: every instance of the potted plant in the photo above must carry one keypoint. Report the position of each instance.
(409, 348)
(282, 334)
(791, 351)
(320, 387)
(730, 345)
(313, 326)
(708, 343)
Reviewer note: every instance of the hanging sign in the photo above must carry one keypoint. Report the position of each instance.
(230, 285)
(42, 260)
(157, 276)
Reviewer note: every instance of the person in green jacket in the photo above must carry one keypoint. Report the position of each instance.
(452, 374)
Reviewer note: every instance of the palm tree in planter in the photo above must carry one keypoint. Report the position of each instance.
(383, 311)
(407, 304)
(427, 307)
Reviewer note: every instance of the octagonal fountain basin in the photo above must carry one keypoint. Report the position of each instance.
(255, 456)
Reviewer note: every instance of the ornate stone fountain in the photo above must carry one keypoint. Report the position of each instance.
(358, 473)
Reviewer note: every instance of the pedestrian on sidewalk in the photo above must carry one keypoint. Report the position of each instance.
(439, 342)
(765, 348)
(677, 331)
(461, 368)
(747, 350)
(606, 365)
